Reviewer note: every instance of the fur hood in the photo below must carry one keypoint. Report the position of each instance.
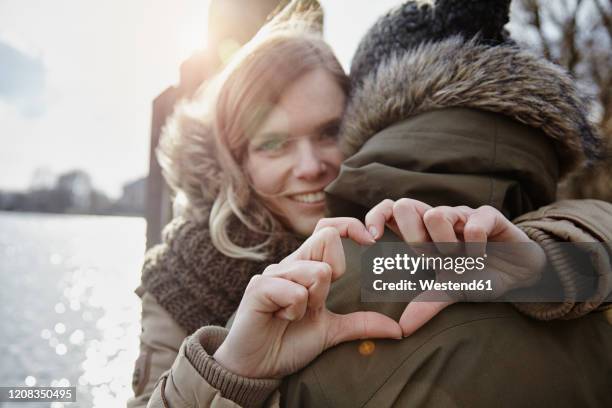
(457, 73)
(188, 157)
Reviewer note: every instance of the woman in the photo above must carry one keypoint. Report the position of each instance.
(303, 166)
(251, 157)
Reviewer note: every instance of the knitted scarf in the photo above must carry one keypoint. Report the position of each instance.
(197, 284)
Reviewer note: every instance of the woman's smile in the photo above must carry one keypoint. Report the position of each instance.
(312, 198)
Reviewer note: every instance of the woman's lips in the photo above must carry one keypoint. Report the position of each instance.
(317, 197)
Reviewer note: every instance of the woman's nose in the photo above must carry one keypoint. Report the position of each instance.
(308, 162)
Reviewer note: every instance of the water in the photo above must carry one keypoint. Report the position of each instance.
(68, 312)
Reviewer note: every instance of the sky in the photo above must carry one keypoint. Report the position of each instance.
(77, 79)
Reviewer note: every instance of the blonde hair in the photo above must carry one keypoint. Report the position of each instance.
(204, 144)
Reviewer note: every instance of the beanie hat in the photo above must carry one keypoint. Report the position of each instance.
(418, 21)
(421, 37)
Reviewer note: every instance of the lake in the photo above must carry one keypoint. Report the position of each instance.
(69, 314)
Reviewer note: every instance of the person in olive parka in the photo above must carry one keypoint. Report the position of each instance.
(446, 109)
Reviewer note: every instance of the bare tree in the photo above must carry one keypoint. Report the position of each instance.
(577, 34)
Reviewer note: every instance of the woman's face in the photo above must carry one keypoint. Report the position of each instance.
(294, 155)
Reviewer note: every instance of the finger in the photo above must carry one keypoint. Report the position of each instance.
(498, 227)
(408, 215)
(361, 325)
(418, 312)
(280, 297)
(440, 223)
(465, 209)
(379, 216)
(324, 245)
(313, 275)
(348, 227)
(479, 225)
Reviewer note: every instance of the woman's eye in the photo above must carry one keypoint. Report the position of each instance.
(330, 133)
(270, 145)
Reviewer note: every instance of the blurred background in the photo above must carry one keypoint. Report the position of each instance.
(85, 88)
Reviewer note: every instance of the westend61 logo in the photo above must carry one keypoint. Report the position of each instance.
(395, 271)
(473, 272)
(400, 266)
(411, 264)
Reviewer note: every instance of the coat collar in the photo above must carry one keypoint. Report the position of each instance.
(457, 73)
(453, 156)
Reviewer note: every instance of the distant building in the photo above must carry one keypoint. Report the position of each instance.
(132, 201)
(73, 193)
(11, 201)
(77, 186)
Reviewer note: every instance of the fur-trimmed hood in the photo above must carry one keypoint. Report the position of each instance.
(458, 73)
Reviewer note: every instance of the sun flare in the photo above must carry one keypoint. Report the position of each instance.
(193, 30)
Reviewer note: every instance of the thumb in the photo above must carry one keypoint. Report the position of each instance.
(420, 311)
(361, 325)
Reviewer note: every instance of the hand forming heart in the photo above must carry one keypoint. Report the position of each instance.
(282, 322)
(417, 222)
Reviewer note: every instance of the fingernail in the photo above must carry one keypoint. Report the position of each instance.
(373, 232)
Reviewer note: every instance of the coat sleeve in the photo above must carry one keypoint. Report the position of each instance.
(175, 370)
(572, 221)
(160, 340)
(197, 380)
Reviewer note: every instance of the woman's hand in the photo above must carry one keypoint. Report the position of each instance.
(416, 222)
(282, 322)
